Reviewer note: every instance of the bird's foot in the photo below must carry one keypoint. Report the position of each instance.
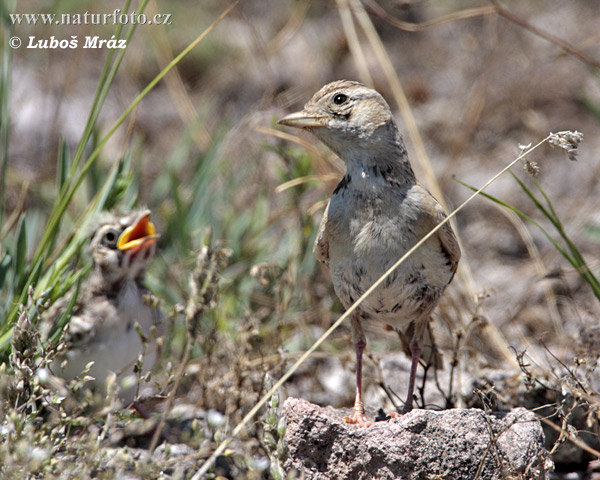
(384, 416)
(407, 408)
(391, 415)
(358, 418)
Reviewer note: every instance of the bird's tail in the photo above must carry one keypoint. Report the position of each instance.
(430, 352)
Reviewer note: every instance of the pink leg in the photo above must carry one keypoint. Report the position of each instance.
(415, 349)
(359, 344)
(359, 410)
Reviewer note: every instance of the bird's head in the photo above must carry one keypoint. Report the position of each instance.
(351, 119)
(122, 246)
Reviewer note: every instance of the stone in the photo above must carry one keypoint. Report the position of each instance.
(422, 444)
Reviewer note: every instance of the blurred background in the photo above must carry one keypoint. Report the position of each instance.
(470, 82)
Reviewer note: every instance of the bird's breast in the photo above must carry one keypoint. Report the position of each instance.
(368, 234)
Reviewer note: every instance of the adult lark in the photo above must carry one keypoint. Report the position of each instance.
(375, 215)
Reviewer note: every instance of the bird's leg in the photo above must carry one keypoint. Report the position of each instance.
(415, 349)
(360, 343)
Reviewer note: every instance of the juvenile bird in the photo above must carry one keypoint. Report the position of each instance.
(112, 304)
(375, 215)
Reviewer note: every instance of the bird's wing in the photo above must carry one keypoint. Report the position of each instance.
(434, 214)
(447, 239)
(321, 246)
(57, 310)
(92, 318)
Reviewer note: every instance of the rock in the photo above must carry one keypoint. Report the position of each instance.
(423, 444)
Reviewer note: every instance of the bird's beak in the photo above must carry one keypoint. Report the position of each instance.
(302, 120)
(139, 234)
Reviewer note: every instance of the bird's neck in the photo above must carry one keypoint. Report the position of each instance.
(391, 166)
(380, 156)
(101, 283)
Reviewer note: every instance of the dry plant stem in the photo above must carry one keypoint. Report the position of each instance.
(564, 425)
(225, 443)
(289, 138)
(392, 396)
(16, 214)
(570, 437)
(353, 43)
(417, 27)
(302, 180)
(493, 445)
(289, 29)
(478, 12)
(482, 462)
(575, 393)
(472, 111)
(547, 36)
(203, 284)
(423, 384)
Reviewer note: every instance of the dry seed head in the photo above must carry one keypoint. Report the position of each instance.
(568, 141)
(532, 167)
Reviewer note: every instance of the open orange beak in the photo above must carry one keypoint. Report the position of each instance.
(138, 235)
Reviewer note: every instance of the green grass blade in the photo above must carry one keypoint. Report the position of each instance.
(580, 263)
(62, 166)
(536, 202)
(5, 74)
(62, 175)
(5, 264)
(572, 247)
(4, 15)
(21, 253)
(548, 202)
(116, 183)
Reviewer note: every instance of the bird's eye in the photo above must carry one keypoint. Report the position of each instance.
(339, 98)
(110, 238)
